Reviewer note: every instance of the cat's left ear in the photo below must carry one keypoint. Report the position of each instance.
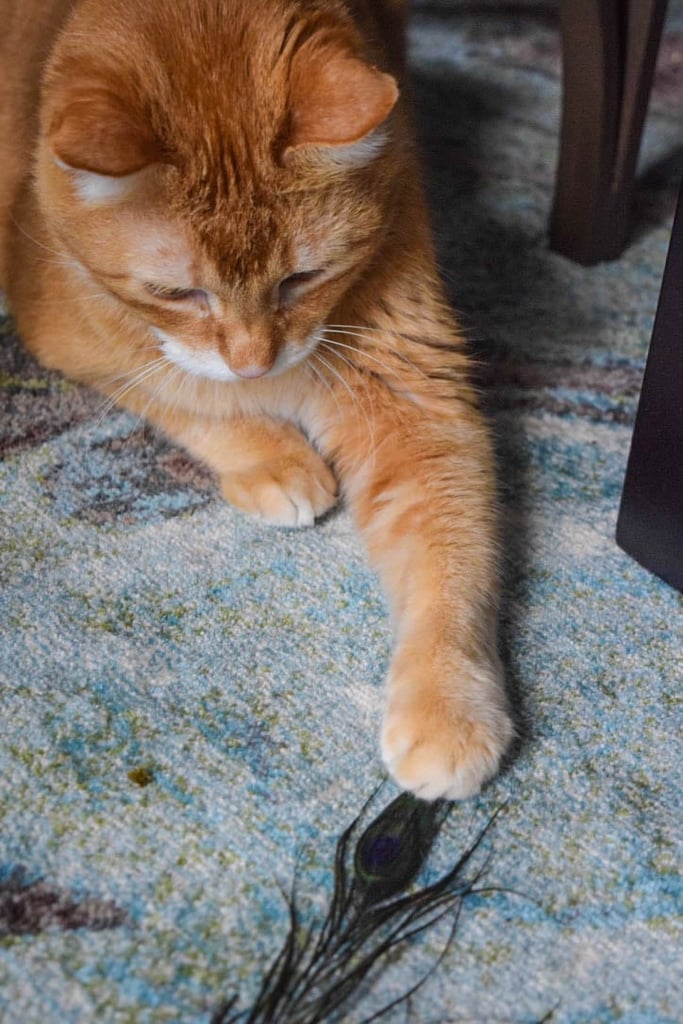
(337, 100)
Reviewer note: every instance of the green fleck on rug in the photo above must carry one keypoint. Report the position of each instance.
(191, 701)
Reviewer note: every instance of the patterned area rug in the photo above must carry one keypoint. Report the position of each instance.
(191, 701)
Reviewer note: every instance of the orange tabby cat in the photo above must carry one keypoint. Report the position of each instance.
(211, 212)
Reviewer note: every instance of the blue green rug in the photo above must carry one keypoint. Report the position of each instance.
(191, 701)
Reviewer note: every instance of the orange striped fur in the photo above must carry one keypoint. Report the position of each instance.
(212, 213)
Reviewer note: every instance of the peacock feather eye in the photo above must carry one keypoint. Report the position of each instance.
(379, 853)
(393, 848)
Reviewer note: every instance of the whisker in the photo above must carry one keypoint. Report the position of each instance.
(188, 382)
(384, 365)
(134, 371)
(358, 327)
(20, 227)
(154, 347)
(72, 299)
(56, 261)
(354, 399)
(320, 378)
(336, 345)
(447, 346)
(156, 394)
(145, 373)
(320, 374)
(399, 355)
(335, 373)
(366, 388)
(366, 331)
(361, 351)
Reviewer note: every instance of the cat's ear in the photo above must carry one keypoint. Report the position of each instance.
(337, 100)
(94, 132)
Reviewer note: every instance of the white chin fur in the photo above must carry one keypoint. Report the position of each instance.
(207, 364)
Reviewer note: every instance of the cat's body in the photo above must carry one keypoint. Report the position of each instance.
(215, 217)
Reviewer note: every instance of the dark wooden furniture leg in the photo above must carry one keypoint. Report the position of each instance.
(650, 526)
(609, 54)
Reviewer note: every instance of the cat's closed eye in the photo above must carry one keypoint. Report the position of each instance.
(160, 291)
(292, 286)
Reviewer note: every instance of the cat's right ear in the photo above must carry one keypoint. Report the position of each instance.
(94, 132)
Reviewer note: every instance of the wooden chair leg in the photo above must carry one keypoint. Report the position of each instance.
(609, 54)
(650, 526)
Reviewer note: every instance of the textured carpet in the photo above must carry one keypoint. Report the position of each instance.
(190, 701)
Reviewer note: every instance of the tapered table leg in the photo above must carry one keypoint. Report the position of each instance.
(609, 54)
(650, 526)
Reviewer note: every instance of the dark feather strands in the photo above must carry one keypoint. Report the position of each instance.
(371, 918)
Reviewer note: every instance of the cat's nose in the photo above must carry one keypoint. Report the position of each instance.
(250, 356)
(250, 353)
(250, 372)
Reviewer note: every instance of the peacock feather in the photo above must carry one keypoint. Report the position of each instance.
(371, 917)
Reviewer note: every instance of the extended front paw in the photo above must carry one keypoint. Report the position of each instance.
(446, 738)
(283, 491)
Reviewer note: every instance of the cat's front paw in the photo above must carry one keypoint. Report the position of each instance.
(446, 741)
(284, 491)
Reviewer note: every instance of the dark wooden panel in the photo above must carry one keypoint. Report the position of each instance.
(650, 526)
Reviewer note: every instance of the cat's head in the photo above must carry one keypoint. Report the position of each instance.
(220, 169)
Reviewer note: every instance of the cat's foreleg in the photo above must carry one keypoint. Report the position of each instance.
(423, 497)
